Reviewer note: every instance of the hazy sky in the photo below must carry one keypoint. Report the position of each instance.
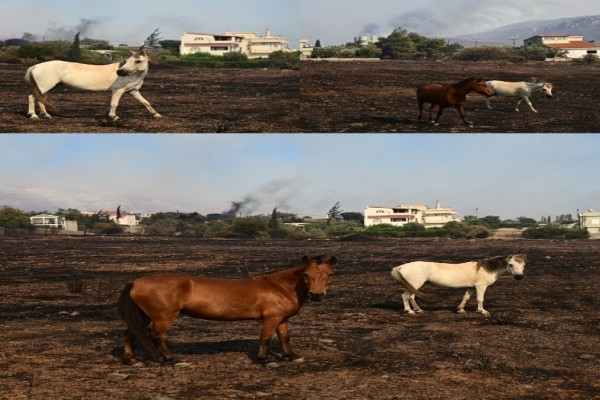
(504, 175)
(131, 21)
(339, 21)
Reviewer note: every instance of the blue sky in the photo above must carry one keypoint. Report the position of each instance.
(339, 21)
(504, 175)
(132, 21)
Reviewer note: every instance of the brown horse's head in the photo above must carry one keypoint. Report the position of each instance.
(481, 87)
(317, 276)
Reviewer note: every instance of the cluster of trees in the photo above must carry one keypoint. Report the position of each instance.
(289, 225)
(19, 51)
(507, 53)
(401, 44)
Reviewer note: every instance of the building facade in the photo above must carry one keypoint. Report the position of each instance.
(590, 220)
(250, 44)
(573, 45)
(404, 214)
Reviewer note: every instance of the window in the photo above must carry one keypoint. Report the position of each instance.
(219, 48)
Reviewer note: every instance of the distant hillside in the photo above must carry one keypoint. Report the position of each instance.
(588, 26)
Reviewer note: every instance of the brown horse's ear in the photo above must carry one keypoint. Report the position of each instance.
(306, 260)
(332, 260)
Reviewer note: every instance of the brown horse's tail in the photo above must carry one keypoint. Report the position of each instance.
(397, 275)
(136, 320)
(35, 90)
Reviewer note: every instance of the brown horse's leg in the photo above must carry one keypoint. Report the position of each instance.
(128, 347)
(439, 114)
(268, 329)
(461, 111)
(420, 117)
(284, 338)
(159, 335)
(431, 110)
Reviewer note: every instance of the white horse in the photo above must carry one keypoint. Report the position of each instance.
(125, 77)
(472, 274)
(518, 89)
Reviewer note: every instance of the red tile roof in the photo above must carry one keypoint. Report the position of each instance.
(574, 45)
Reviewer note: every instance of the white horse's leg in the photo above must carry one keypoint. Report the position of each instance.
(487, 103)
(463, 303)
(31, 110)
(529, 104)
(406, 298)
(480, 294)
(517, 107)
(414, 304)
(114, 103)
(146, 103)
(43, 111)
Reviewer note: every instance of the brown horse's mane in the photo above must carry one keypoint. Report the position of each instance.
(282, 272)
(466, 80)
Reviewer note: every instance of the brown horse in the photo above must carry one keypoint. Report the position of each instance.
(450, 95)
(272, 298)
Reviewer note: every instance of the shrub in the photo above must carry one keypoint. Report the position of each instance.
(555, 232)
(284, 60)
(107, 228)
(458, 230)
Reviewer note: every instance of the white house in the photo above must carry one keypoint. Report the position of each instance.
(404, 214)
(46, 220)
(53, 221)
(590, 220)
(573, 45)
(246, 43)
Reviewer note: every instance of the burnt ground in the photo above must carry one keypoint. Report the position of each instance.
(189, 99)
(381, 97)
(321, 97)
(541, 342)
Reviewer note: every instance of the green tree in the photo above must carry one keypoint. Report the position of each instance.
(152, 41)
(318, 43)
(172, 45)
(397, 44)
(13, 218)
(74, 53)
(273, 221)
(334, 213)
(352, 216)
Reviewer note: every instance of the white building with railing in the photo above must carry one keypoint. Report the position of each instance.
(404, 214)
(246, 43)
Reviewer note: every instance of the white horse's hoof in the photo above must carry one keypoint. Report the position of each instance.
(34, 117)
(460, 311)
(157, 116)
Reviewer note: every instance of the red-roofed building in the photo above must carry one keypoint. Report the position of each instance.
(574, 46)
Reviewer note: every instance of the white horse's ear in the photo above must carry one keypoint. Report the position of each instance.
(132, 52)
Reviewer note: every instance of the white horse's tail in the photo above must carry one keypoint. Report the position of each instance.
(35, 90)
(397, 275)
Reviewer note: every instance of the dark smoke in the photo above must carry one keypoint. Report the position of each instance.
(370, 29)
(273, 194)
(84, 27)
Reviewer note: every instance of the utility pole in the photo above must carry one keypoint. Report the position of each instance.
(514, 39)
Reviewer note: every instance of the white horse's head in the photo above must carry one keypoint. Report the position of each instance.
(547, 89)
(515, 265)
(136, 64)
